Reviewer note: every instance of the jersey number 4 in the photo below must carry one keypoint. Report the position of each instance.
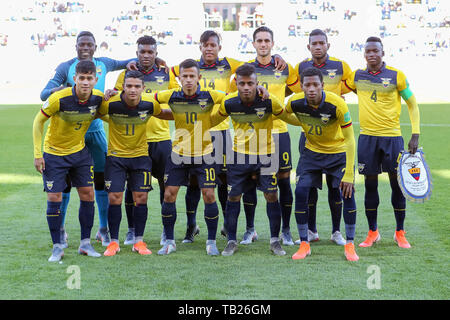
(373, 97)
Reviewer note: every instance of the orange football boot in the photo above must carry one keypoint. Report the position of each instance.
(350, 252)
(303, 251)
(373, 236)
(141, 248)
(112, 249)
(400, 238)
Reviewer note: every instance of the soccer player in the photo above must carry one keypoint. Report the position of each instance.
(253, 151)
(95, 136)
(158, 133)
(334, 72)
(191, 151)
(277, 83)
(379, 89)
(128, 113)
(329, 149)
(71, 112)
(216, 73)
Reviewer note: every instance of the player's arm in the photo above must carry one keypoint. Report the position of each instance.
(218, 114)
(280, 63)
(282, 113)
(349, 139)
(173, 75)
(414, 116)
(38, 132)
(57, 82)
(350, 83)
(114, 65)
(292, 82)
(346, 74)
(161, 113)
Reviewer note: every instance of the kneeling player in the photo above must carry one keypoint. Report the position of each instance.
(71, 111)
(329, 149)
(128, 113)
(253, 153)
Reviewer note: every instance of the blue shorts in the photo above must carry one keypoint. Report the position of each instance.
(78, 166)
(97, 146)
(283, 149)
(312, 165)
(159, 152)
(378, 154)
(241, 173)
(301, 143)
(135, 171)
(220, 149)
(178, 173)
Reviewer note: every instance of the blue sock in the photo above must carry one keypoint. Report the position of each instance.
(140, 218)
(312, 208)
(192, 199)
(335, 203)
(63, 208)
(301, 211)
(350, 217)
(250, 200)
(398, 203)
(101, 197)
(211, 219)
(274, 214)
(114, 218)
(371, 202)
(286, 200)
(54, 218)
(169, 216)
(232, 215)
(222, 192)
(129, 207)
(86, 218)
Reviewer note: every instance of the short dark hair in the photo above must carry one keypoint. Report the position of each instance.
(134, 74)
(246, 70)
(146, 40)
(311, 72)
(189, 63)
(86, 66)
(85, 34)
(208, 34)
(317, 32)
(262, 29)
(374, 39)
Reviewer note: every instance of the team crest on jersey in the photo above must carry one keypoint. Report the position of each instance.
(203, 103)
(386, 82)
(92, 110)
(260, 112)
(220, 69)
(277, 74)
(143, 114)
(332, 73)
(414, 171)
(49, 184)
(159, 79)
(325, 117)
(108, 184)
(99, 70)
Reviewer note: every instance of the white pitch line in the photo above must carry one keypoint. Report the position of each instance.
(422, 124)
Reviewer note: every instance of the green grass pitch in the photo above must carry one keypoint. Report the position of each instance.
(253, 272)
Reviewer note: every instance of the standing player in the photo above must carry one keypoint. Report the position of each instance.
(329, 149)
(216, 73)
(380, 88)
(128, 158)
(158, 133)
(191, 151)
(71, 111)
(95, 137)
(334, 72)
(277, 83)
(253, 153)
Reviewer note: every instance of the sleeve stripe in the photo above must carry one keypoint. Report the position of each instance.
(45, 114)
(346, 126)
(289, 85)
(156, 97)
(345, 83)
(223, 115)
(173, 70)
(279, 113)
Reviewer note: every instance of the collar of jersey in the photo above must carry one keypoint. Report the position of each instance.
(204, 65)
(125, 104)
(320, 65)
(272, 62)
(257, 99)
(148, 72)
(77, 99)
(321, 102)
(196, 94)
(383, 66)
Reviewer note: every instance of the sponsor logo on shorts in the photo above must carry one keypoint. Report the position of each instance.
(361, 167)
(166, 176)
(108, 184)
(297, 178)
(49, 184)
(229, 187)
